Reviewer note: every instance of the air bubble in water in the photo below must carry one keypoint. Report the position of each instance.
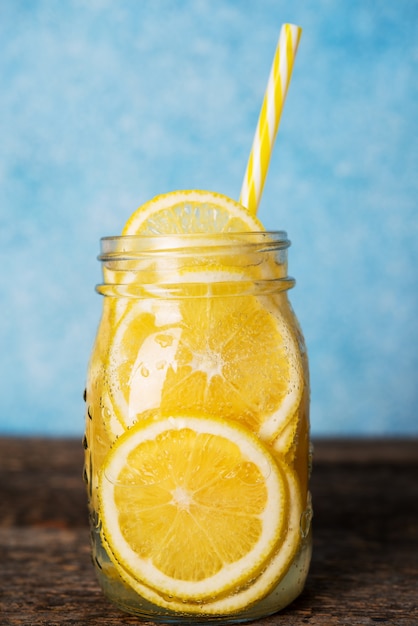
(107, 412)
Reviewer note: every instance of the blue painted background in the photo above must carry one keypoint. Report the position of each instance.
(104, 104)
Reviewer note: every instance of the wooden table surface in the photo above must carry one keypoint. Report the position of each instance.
(365, 562)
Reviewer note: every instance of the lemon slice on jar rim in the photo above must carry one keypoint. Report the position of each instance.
(191, 211)
(177, 213)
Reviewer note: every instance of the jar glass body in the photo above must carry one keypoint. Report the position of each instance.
(198, 339)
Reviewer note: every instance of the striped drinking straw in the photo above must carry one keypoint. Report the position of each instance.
(269, 119)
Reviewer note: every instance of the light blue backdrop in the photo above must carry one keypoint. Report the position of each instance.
(105, 103)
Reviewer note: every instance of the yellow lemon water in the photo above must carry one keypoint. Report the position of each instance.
(197, 451)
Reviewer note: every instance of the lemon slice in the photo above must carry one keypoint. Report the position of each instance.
(226, 356)
(241, 598)
(192, 211)
(191, 506)
(280, 561)
(175, 214)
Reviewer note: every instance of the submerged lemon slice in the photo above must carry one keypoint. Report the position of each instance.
(226, 356)
(244, 596)
(191, 506)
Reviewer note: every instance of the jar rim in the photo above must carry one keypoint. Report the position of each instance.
(145, 259)
(126, 244)
(261, 234)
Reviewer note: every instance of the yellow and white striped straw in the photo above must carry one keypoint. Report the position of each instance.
(269, 119)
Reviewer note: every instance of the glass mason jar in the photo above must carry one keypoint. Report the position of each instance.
(197, 450)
